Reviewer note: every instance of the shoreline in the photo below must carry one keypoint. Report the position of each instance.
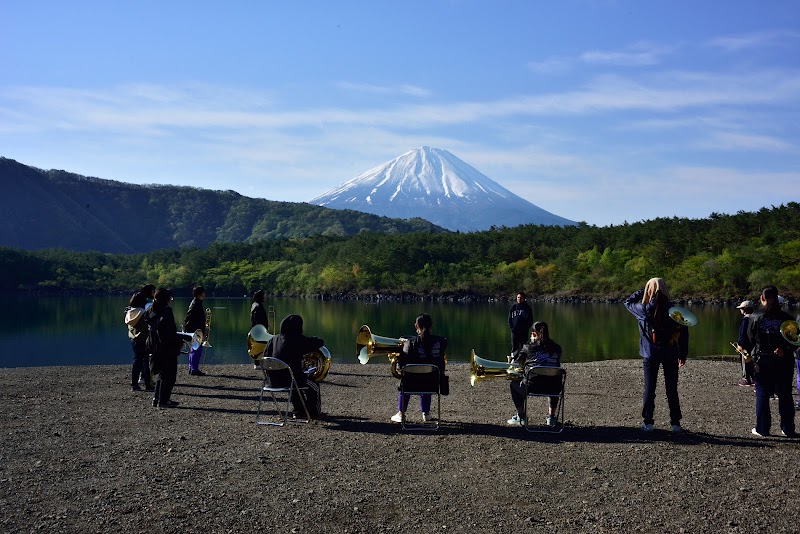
(81, 452)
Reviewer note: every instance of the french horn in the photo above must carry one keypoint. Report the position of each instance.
(191, 341)
(315, 364)
(682, 316)
(482, 369)
(790, 330)
(369, 345)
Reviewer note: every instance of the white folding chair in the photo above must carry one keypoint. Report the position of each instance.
(546, 381)
(273, 365)
(420, 379)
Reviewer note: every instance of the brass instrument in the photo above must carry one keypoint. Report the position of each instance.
(790, 330)
(481, 369)
(369, 345)
(743, 353)
(682, 316)
(191, 341)
(208, 328)
(318, 360)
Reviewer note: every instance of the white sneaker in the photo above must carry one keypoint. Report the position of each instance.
(398, 417)
(756, 433)
(552, 420)
(676, 429)
(516, 421)
(647, 427)
(426, 417)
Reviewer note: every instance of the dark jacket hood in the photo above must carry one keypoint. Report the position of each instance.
(292, 325)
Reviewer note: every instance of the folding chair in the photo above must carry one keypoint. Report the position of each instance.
(420, 379)
(274, 364)
(545, 381)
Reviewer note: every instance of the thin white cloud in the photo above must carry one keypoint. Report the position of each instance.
(406, 89)
(738, 142)
(639, 54)
(737, 43)
(551, 66)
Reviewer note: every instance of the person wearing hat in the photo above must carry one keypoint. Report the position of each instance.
(746, 308)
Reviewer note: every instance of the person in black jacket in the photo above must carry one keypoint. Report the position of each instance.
(196, 320)
(164, 362)
(289, 346)
(520, 321)
(258, 315)
(773, 364)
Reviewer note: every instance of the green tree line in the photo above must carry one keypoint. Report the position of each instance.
(722, 256)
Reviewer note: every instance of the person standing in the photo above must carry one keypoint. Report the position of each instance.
(168, 345)
(289, 346)
(196, 320)
(258, 315)
(520, 320)
(746, 308)
(662, 343)
(425, 348)
(773, 365)
(137, 333)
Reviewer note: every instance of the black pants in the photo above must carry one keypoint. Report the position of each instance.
(165, 379)
(141, 365)
(519, 338)
(774, 376)
(312, 397)
(543, 384)
(670, 365)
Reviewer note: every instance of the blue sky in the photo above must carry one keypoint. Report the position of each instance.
(599, 111)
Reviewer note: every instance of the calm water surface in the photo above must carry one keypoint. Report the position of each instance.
(37, 331)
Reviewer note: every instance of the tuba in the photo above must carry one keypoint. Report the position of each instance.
(481, 369)
(191, 341)
(369, 345)
(315, 364)
(208, 328)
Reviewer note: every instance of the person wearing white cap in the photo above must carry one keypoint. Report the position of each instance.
(746, 308)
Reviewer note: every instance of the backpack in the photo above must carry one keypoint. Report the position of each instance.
(153, 341)
(661, 331)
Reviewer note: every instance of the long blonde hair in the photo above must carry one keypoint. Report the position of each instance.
(653, 286)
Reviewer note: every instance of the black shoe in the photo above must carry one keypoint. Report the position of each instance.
(149, 388)
(168, 404)
(197, 373)
(155, 403)
(136, 388)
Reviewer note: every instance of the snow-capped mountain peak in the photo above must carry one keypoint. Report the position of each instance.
(436, 185)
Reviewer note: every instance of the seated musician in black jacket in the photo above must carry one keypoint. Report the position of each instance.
(289, 346)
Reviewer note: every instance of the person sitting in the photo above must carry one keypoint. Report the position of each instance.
(541, 351)
(425, 348)
(289, 346)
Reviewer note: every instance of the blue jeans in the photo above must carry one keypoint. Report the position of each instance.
(774, 376)
(670, 365)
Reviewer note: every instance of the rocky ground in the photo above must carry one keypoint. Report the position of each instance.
(82, 453)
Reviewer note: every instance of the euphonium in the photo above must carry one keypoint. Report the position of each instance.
(208, 328)
(790, 330)
(318, 360)
(481, 369)
(369, 345)
(191, 341)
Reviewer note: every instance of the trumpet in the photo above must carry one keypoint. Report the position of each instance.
(369, 345)
(315, 364)
(481, 369)
(743, 353)
(207, 328)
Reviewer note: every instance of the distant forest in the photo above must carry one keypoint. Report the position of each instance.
(722, 256)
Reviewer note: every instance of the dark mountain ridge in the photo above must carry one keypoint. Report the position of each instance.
(57, 209)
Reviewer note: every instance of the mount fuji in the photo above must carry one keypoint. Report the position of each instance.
(435, 185)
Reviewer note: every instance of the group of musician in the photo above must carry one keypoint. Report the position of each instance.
(767, 363)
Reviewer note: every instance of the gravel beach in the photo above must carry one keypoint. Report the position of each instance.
(82, 453)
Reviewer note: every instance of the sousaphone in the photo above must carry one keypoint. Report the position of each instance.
(682, 316)
(790, 330)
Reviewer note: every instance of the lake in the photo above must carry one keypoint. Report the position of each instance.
(38, 331)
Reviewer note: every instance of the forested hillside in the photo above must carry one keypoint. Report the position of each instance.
(45, 209)
(722, 256)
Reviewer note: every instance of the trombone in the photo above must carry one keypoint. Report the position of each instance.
(207, 329)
